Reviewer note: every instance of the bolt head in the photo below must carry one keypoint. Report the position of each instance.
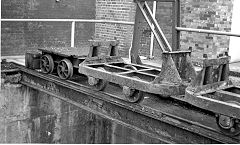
(225, 122)
(205, 55)
(127, 91)
(232, 129)
(92, 81)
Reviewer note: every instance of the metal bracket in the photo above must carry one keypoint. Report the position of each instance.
(176, 68)
(113, 48)
(32, 59)
(94, 48)
(214, 70)
(143, 10)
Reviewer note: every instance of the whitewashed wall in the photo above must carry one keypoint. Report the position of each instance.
(234, 46)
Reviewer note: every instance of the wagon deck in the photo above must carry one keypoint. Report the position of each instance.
(75, 52)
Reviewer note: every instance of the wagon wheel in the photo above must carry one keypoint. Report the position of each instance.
(65, 69)
(132, 95)
(46, 64)
(228, 125)
(98, 84)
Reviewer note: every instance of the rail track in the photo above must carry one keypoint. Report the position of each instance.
(166, 119)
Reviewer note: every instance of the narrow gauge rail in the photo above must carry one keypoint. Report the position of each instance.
(154, 116)
(210, 90)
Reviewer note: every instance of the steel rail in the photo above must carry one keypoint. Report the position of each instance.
(207, 31)
(93, 111)
(205, 131)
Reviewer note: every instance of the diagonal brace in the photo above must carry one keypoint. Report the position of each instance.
(158, 33)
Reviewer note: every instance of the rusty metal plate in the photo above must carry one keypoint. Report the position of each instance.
(67, 51)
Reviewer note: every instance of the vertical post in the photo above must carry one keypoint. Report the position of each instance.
(136, 36)
(152, 35)
(176, 23)
(73, 33)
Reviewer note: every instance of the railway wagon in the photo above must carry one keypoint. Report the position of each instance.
(210, 89)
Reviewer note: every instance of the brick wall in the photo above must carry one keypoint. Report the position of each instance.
(118, 10)
(20, 36)
(210, 15)
(202, 14)
(124, 10)
(17, 37)
(164, 19)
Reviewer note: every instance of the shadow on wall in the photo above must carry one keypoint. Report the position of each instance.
(18, 37)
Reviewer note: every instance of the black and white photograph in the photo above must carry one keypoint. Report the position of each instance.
(120, 72)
